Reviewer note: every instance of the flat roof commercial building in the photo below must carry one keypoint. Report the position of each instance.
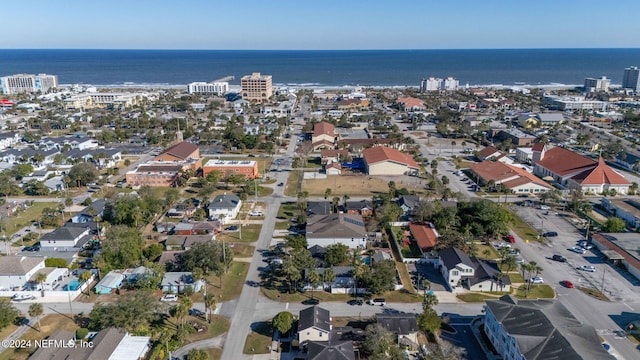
(211, 88)
(256, 87)
(28, 83)
(249, 169)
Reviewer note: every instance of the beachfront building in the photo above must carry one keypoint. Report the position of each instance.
(248, 169)
(631, 78)
(437, 84)
(597, 85)
(256, 87)
(28, 83)
(94, 100)
(571, 103)
(382, 160)
(411, 104)
(210, 88)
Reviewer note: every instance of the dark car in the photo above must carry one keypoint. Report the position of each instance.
(550, 234)
(35, 247)
(559, 258)
(280, 184)
(311, 302)
(196, 312)
(232, 228)
(356, 301)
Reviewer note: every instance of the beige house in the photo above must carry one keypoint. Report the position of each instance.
(381, 160)
(314, 324)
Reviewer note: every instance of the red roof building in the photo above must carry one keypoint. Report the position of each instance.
(425, 236)
(183, 151)
(381, 160)
(411, 104)
(324, 136)
(512, 177)
(575, 171)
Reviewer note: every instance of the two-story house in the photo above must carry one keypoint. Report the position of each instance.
(225, 207)
(314, 324)
(65, 239)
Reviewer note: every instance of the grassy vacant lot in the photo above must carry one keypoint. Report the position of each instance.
(490, 251)
(287, 210)
(291, 187)
(242, 250)
(259, 340)
(49, 323)
(219, 325)
(275, 294)
(250, 233)
(349, 185)
(26, 217)
(232, 283)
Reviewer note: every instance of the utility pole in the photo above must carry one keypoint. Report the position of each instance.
(602, 287)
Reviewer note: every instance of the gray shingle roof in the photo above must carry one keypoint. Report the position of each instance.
(330, 350)
(452, 257)
(336, 226)
(63, 233)
(224, 202)
(18, 265)
(314, 316)
(545, 329)
(399, 324)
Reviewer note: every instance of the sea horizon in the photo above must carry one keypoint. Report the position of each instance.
(324, 68)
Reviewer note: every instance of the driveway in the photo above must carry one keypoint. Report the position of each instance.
(428, 272)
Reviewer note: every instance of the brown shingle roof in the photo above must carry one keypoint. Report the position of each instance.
(488, 151)
(562, 161)
(382, 153)
(324, 128)
(181, 150)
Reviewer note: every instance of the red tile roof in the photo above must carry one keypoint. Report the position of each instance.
(382, 153)
(601, 174)
(562, 161)
(333, 153)
(424, 235)
(181, 150)
(537, 147)
(508, 175)
(333, 165)
(411, 103)
(324, 128)
(488, 151)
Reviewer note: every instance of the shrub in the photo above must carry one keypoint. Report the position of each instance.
(82, 333)
(55, 262)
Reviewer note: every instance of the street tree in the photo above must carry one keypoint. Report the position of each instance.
(8, 313)
(210, 305)
(35, 310)
(282, 322)
(380, 344)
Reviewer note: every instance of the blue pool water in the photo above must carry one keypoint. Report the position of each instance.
(72, 286)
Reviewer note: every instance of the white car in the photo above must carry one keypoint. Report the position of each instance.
(589, 268)
(578, 249)
(585, 245)
(256, 213)
(169, 298)
(536, 280)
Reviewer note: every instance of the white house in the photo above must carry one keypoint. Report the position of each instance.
(65, 239)
(459, 270)
(314, 324)
(225, 207)
(347, 229)
(177, 282)
(16, 271)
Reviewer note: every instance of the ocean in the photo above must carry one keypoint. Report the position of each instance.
(323, 68)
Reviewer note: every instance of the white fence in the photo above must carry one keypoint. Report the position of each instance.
(49, 295)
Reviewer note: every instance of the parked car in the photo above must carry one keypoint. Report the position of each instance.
(585, 244)
(35, 247)
(510, 239)
(281, 184)
(536, 280)
(566, 283)
(256, 213)
(377, 301)
(519, 260)
(196, 312)
(169, 298)
(550, 234)
(559, 258)
(22, 297)
(544, 207)
(356, 301)
(578, 250)
(589, 268)
(311, 302)
(232, 228)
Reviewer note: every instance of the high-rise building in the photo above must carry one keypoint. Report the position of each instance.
(256, 87)
(28, 83)
(212, 88)
(450, 84)
(631, 78)
(597, 85)
(430, 84)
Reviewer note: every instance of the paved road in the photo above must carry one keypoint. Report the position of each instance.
(216, 342)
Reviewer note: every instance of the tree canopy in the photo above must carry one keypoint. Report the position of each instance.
(282, 322)
(121, 248)
(133, 311)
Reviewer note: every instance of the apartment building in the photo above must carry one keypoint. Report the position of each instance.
(256, 87)
(631, 78)
(210, 88)
(28, 83)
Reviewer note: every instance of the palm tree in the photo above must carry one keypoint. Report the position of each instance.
(329, 276)
(35, 310)
(314, 280)
(40, 279)
(210, 305)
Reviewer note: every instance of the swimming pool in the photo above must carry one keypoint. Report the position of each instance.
(72, 286)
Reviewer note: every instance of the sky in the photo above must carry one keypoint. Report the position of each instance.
(319, 24)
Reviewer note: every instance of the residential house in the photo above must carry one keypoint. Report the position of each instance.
(411, 104)
(347, 229)
(9, 139)
(185, 242)
(331, 350)
(52, 278)
(539, 330)
(110, 283)
(251, 129)
(103, 158)
(55, 183)
(382, 160)
(318, 208)
(343, 282)
(407, 203)
(550, 119)
(425, 235)
(459, 270)
(352, 104)
(329, 156)
(225, 207)
(108, 344)
(29, 156)
(16, 271)
(333, 169)
(65, 239)
(324, 136)
(183, 151)
(512, 177)
(518, 137)
(362, 207)
(177, 282)
(89, 213)
(403, 326)
(314, 324)
(574, 171)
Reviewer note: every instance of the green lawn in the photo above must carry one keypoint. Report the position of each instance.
(287, 210)
(276, 295)
(250, 233)
(516, 278)
(242, 250)
(26, 217)
(291, 187)
(282, 225)
(480, 297)
(536, 292)
(232, 283)
(259, 341)
(487, 252)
